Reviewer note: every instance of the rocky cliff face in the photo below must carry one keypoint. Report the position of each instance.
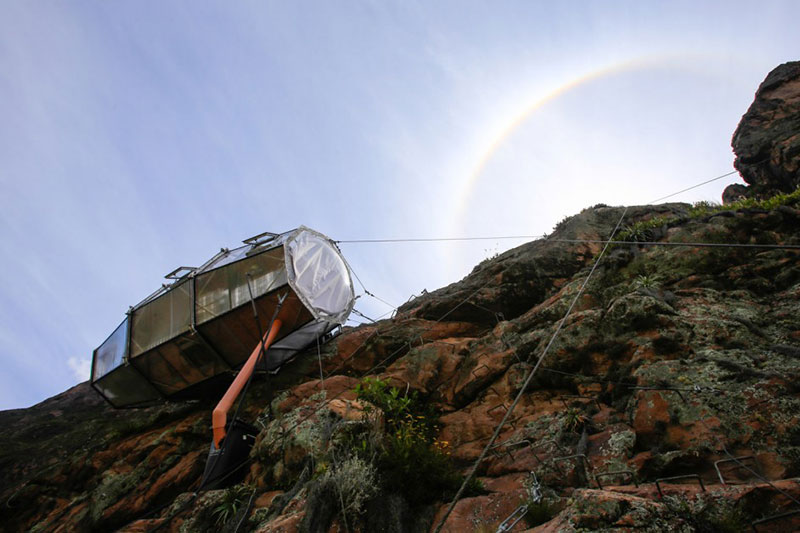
(767, 140)
(673, 361)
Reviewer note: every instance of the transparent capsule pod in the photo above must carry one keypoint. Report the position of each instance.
(202, 324)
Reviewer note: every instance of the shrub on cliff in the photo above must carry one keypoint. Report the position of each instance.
(411, 460)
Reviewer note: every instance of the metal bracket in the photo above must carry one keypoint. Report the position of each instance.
(450, 344)
(663, 389)
(733, 460)
(773, 518)
(535, 490)
(550, 441)
(474, 370)
(421, 340)
(695, 476)
(497, 392)
(180, 272)
(505, 409)
(586, 465)
(631, 473)
(543, 442)
(508, 445)
(260, 238)
(579, 397)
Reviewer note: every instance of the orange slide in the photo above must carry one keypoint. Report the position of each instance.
(219, 418)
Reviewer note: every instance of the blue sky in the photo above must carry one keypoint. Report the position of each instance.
(140, 136)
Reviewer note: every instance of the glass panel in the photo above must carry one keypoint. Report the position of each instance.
(111, 353)
(223, 289)
(164, 318)
(124, 386)
(178, 364)
(159, 372)
(230, 257)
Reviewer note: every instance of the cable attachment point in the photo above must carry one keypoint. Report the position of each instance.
(534, 488)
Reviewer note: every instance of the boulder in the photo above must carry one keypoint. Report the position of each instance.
(767, 140)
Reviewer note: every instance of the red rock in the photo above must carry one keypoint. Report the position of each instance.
(265, 500)
(485, 512)
(334, 387)
(766, 143)
(352, 352)
(346, 409)
(486, 368)
(282, 524)
(651, 411)
(430, 368)
(507, 483)
(183, 473)
(142, 526)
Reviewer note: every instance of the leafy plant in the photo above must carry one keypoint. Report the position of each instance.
(642, 230)
(574, 420)
(647, 281)
(388, 399)
(411, 459)
(703, 209)
(561, 223)
(231, 503)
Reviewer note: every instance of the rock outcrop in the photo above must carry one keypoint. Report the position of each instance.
(668, 401)
(767, 140)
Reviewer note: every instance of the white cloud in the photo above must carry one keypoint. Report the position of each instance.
(81, 368)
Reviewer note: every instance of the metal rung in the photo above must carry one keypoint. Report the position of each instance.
(549, 441)
(586, 464)
(579, 397)
(735, 460)
(497, 392)
(695, 476)
(508, 445)
(505, 409)
(773, 518)
(474, 370)
(631, 473)
(663, 389)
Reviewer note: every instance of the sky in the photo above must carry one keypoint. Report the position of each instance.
(136, 137)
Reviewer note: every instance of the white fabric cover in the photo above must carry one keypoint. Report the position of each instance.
(319, 275)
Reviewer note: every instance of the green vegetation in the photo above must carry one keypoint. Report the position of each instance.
(354, 481)
(703, 209)
(562, 223)
(409, 457)
(230, 503)
(574, 420)
(647, 281)
(389, 400)
(643, 230)
(707, 515)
